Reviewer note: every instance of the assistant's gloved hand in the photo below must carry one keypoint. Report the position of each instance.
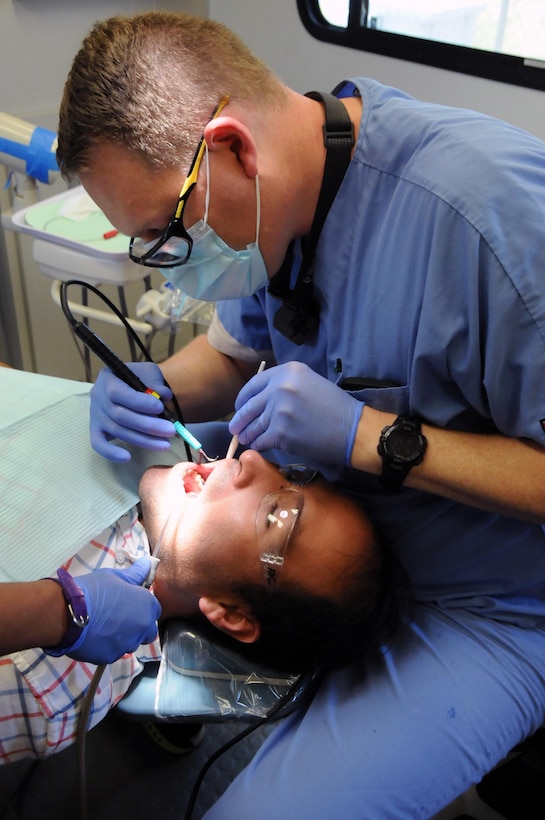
(122, 614)
(291, 408)
(118, 411)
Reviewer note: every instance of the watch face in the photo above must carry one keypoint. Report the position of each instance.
(404, 447)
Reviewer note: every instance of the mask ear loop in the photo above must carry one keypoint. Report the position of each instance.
(258, 209)
(207, 195)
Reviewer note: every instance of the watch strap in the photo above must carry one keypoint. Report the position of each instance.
(77, 610)
(393, 475)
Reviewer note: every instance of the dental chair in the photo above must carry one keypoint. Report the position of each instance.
(201, 681)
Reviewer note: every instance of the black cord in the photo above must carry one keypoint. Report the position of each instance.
(124, 310)
(123, 319)
(85, 352)
(81, 738)
(129, 329)
(212, 759)
(271, 714)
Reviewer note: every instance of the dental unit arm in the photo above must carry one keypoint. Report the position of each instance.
(28, 149)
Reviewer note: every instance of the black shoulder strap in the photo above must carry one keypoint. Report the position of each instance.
(298, 317)
(339, 141)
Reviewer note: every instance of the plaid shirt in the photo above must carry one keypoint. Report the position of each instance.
(41, 696)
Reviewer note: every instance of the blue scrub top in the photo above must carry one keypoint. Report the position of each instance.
(430, 273)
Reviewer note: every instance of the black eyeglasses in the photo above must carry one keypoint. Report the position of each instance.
(174, 245)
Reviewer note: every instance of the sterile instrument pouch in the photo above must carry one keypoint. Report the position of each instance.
(199, 679)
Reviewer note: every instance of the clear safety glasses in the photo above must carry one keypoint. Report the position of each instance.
(174, 246)
(276, 517)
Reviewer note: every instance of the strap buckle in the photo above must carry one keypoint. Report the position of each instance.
(331, 136)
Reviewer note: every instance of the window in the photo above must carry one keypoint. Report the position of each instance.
(499, 39)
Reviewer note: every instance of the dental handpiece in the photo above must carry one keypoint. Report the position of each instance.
(150, 577)
(120, 369)
(155, 560)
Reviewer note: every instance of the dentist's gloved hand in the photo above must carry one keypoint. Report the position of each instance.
(122, 614)
(290, 407)
(118, 411)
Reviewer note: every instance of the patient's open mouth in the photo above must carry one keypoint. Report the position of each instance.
(195, 477)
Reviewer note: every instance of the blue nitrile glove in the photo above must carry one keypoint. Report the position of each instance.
(118, 411)
(122, 614)
(292, 408)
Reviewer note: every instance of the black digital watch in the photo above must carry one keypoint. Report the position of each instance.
(401, 447)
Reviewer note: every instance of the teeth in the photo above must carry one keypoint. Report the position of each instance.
(193, 481)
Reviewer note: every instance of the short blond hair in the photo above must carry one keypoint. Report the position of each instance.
(150, 82)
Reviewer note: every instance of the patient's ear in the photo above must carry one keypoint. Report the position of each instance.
(235, 619)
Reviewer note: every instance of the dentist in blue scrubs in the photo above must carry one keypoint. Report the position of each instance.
(399, 303)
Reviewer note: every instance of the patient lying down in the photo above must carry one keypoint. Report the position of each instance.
(216, 525)
(276, 560)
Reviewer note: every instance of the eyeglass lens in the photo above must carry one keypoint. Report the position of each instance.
(275, 520)
(174, 246)
(175, 251)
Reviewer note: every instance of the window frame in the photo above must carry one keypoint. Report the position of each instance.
(490, 65)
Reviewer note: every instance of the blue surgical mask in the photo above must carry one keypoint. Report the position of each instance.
(215, 271)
